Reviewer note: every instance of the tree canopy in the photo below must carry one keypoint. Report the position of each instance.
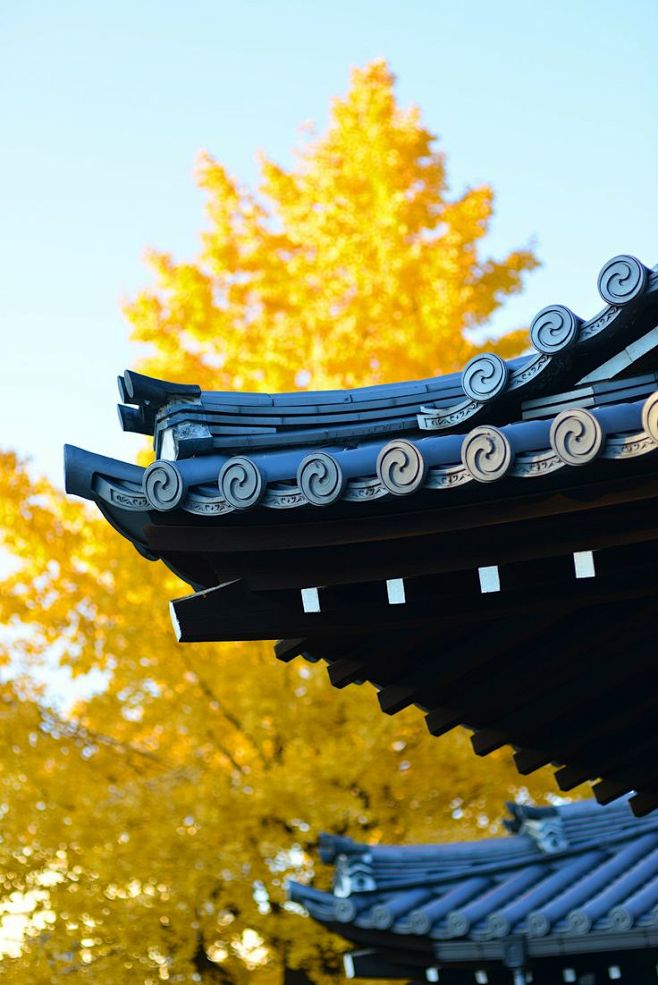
(149, 828)
(353, 266)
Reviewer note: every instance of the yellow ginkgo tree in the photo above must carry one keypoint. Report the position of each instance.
(148, 829)
(354, 266)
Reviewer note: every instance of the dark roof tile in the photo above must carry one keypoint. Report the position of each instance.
(602, 884)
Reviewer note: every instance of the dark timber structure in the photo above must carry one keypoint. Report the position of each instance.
(572, 896)
(481, 545)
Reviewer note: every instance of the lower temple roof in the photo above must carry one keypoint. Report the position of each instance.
(574, 881)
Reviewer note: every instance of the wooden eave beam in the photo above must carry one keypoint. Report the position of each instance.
(597, 529)
(400, 520)
(233, 612)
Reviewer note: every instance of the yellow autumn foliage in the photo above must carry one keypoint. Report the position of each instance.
(352, 267)
(149, 829)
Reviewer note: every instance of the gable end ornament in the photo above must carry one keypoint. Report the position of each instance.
(164, 486)
(554, 329)
(321, 479)
(622, 279)
(650, 416)
(487, 454)
(484, 377)
(576, 437)
(401, 467)
(241, 483)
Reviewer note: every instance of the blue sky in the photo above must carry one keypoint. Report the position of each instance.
(104, 107)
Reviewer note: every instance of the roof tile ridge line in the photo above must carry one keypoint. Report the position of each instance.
(139, 389)
(489, 868)
(148, 394)
(554, 329)
(280, 494)
(153, 394)
(277, 494)
(553, 332)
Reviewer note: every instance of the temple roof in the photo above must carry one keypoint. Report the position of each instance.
(225, 452)
(481, 545)
(571, 880)
(188, 420)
